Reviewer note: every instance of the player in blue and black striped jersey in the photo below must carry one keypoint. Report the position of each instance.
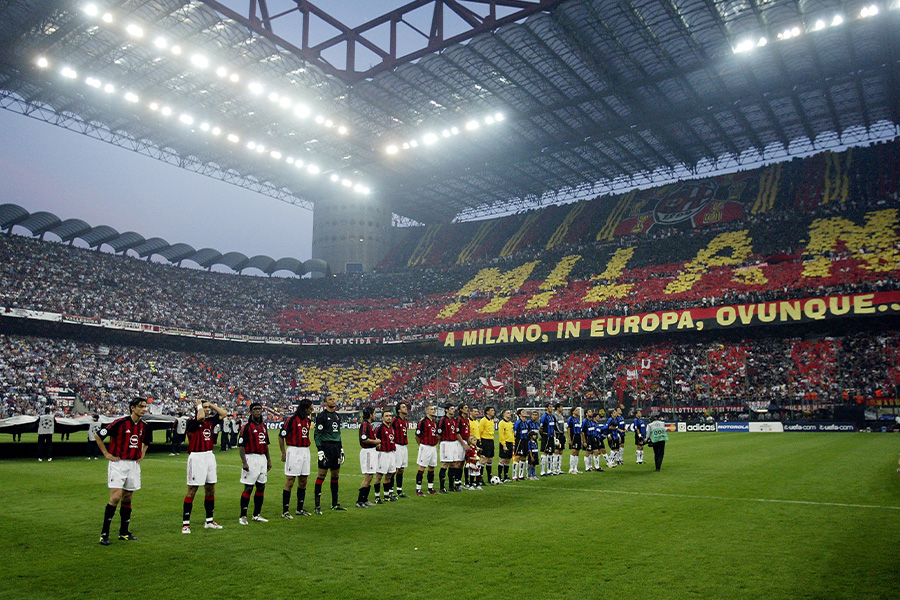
(620, 431)
(573, 428)
(547, 425)
(640, 435)
(587, 440)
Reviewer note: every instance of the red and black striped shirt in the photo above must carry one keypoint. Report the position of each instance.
(447, 429)
(295, 431)
(464, 428)
(254, 438)
(385, 434)
(127, 438)
(427, 432)
(400, 426)
(366, 433)
(200, 434)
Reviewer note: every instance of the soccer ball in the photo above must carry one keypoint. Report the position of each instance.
(495, 480)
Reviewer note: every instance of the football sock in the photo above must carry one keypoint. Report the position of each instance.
(573, 462)
(388, 487)
(543, 464)
(377, 490)
(186, 515)
(430, 480)
(443, 477)
(489, 469)
(285, 501)
(125, 514)
(245, 502)
(399, 479)
(209, 503)
(587, 462)
(257, 502)
(334, 491)
(419, 481)
(107, 518)
(318, 491)
(362, 495)
(301, 498)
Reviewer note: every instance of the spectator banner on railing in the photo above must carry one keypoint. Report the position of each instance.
(783, 312)
(696, 410)
(803, 426)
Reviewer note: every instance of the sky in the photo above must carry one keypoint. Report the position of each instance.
(48, 168)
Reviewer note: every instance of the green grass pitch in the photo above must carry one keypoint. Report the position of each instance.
(807, 515)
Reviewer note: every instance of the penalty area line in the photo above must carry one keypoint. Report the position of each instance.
(735, 499)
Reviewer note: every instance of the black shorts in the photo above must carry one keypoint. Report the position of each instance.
(560, 441)
(521, 447)
(598, 444)
(506, 450)
(576, 442)
(487, 447)
(548, 443)
(613, 443)
(332, 458)
(638, 440)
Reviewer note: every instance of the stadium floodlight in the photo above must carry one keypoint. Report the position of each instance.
(319, 119)
(161, 43)
(445, 133)
(109, 88)
(298, 163)
(131, 97)
(260, 149)
(302, 111)
(68, 72)
(284, 102)
(234, 78)
(489, 120)
(819, 25)
(762, 42)
(275, 154)
(42, 62)
(500, 116)
(472, 125)
(186, 119)
(289, 160)
(107, 17)
(334, 177)
(93, 82)
(154, 106)
(251, 145)
(134, 30)
(255, 87)
(346, 183)
(454, 130)
(273, 97)
(343, 130)
(91, 10)
(198, 60)
(204, 126)
(176, 50)
(216, 130)
(359, 188)
(313, 170)
(329, 123)
(837, 20)
(429, 138)
(413, 144)
(166, 111)
(744, 46)
(392, 149)
(795, 31)
(221, 71)
(405, 145)
(233, 138)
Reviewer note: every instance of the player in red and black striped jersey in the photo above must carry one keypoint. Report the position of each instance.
(462, 438)
(447, 430)
(201, 463)
(253, 443)
(295, 434)
(385, 470)
(129, 438)
(401, 458)
(427, 438)
(368, 442)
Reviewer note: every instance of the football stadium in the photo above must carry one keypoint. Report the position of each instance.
(556, 298)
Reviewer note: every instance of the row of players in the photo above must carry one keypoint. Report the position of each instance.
(466, 450)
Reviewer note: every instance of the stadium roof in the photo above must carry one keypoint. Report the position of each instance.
(581, 96)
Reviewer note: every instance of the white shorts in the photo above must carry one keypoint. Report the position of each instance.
(427, 456)
(367, 461)
(296, 461)
(385, 463)
(201, 468)
(401, 456)
(124, 474)
(257, 472)
(448, 451)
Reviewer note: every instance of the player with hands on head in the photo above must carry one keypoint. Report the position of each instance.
(201, 462)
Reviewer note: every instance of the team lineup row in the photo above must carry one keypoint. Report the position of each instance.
(466, 453)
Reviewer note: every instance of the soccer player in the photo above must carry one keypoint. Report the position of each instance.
(556, 459)
(447, 430)
(573, 429)
(201, 463)
(506, 440)
(368, 442)
(548, 439)
(521, 430)
(640, 435)
(401, 454)
(427, 438)
(129, 439)
(620, 432)
(486, 438)
(253, 444)
(331, 454)
(384, 459)
(587, 440)
(295, 435)
(462, 440)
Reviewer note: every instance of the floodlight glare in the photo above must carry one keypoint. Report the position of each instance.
(413, 144)
(500, 116)
(820, 25)
(234, 78)
(204, 126)
(176, 50)
(221, 71)
(68, 72)
(260, 149)
(93, 82)
(134, 30)
(107, 17)
(405, 146)
(454, 130)
(329, 123)
(392, 149)
(233, 138)
(109, 88)
(251, 145)
(42, 62)
(298, 163)
(154, 106)
(91, 10)
(429, 138)
(342, 130)
(472, 125)
(313, 170)
(301, 111)
(285, 102)
(160, 43)
(795, 31)
(255, 87)
(346, 183)
(319, 119)
(275, 154)
(334, 177)
(198, 60)
(289, 160)
(186, 119)
(446, 133)
(131, 97)
(762, 42)
(166, 111)
(489, 120)
(216, 130)
(837, 20)
(359, 188)
(273, 97)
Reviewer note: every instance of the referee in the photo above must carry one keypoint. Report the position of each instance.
(486, 438)
(331, 454)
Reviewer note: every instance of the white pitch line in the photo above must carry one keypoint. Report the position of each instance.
(731, 499)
